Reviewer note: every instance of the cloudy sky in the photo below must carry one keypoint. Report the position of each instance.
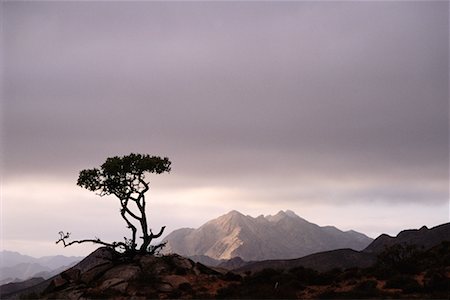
(336, 110)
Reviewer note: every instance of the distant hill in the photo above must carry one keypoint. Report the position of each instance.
(18, 267)
(21, 271)
(282, 236)
(322, 261)
(13, 287)
(423, 237)
(346, 258)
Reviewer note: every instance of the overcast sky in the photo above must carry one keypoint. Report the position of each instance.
(336, 110)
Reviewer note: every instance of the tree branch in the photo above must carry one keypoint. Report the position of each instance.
(155, 236)
(64, 236)
(156, 249)
(145, 184)
(124, 204)
(130, 225)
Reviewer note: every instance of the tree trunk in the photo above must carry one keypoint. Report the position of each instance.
(145, 236)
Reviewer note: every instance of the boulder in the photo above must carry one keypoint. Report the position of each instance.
(165, 287)
(94, 273)
(175, 280)
(152, 264)
(116, 284)
(182, 262)
(71, 275)
(99, 257)
(124, 272)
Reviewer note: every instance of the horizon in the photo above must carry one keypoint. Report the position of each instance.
(338, 111)
(85, 252)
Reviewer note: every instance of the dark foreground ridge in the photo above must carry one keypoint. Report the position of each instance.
(401, 271)
(424, 237)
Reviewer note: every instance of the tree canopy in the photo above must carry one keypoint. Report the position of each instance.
(125, 178)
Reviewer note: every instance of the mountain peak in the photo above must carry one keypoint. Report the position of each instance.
(234, 213)
(282, 215)
(290, 213)
(281, 236)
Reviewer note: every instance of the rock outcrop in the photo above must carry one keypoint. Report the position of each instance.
(107, 274)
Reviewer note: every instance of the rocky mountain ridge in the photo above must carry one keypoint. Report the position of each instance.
(423, 238)
(281, 236)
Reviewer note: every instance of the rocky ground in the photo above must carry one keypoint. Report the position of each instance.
(105, 274)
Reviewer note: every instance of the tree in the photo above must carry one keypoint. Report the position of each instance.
(124, 177)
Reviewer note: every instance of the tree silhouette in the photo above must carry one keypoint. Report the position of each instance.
(124, 177)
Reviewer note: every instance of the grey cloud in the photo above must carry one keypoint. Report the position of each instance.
(230, 91)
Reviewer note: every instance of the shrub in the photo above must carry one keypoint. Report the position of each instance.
(230, 276)
(436, 280)
(407, 283)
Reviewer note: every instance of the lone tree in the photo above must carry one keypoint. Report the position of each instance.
(124, 177)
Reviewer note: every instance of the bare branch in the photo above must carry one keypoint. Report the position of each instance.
(155, 236)
(132, 227)
(124, 204)
(156, 249)
(145, 184)
(64, 236)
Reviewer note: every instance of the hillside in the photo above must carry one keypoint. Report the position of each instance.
(422, 274)
(422, 237)
(282, 236)
(16, 267)
(322, 261)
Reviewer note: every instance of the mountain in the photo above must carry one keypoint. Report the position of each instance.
(423, 237)
(11, 258)
(346, 258)
(22, 271)
(282, 236)
(322, 261)
(16, 267)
